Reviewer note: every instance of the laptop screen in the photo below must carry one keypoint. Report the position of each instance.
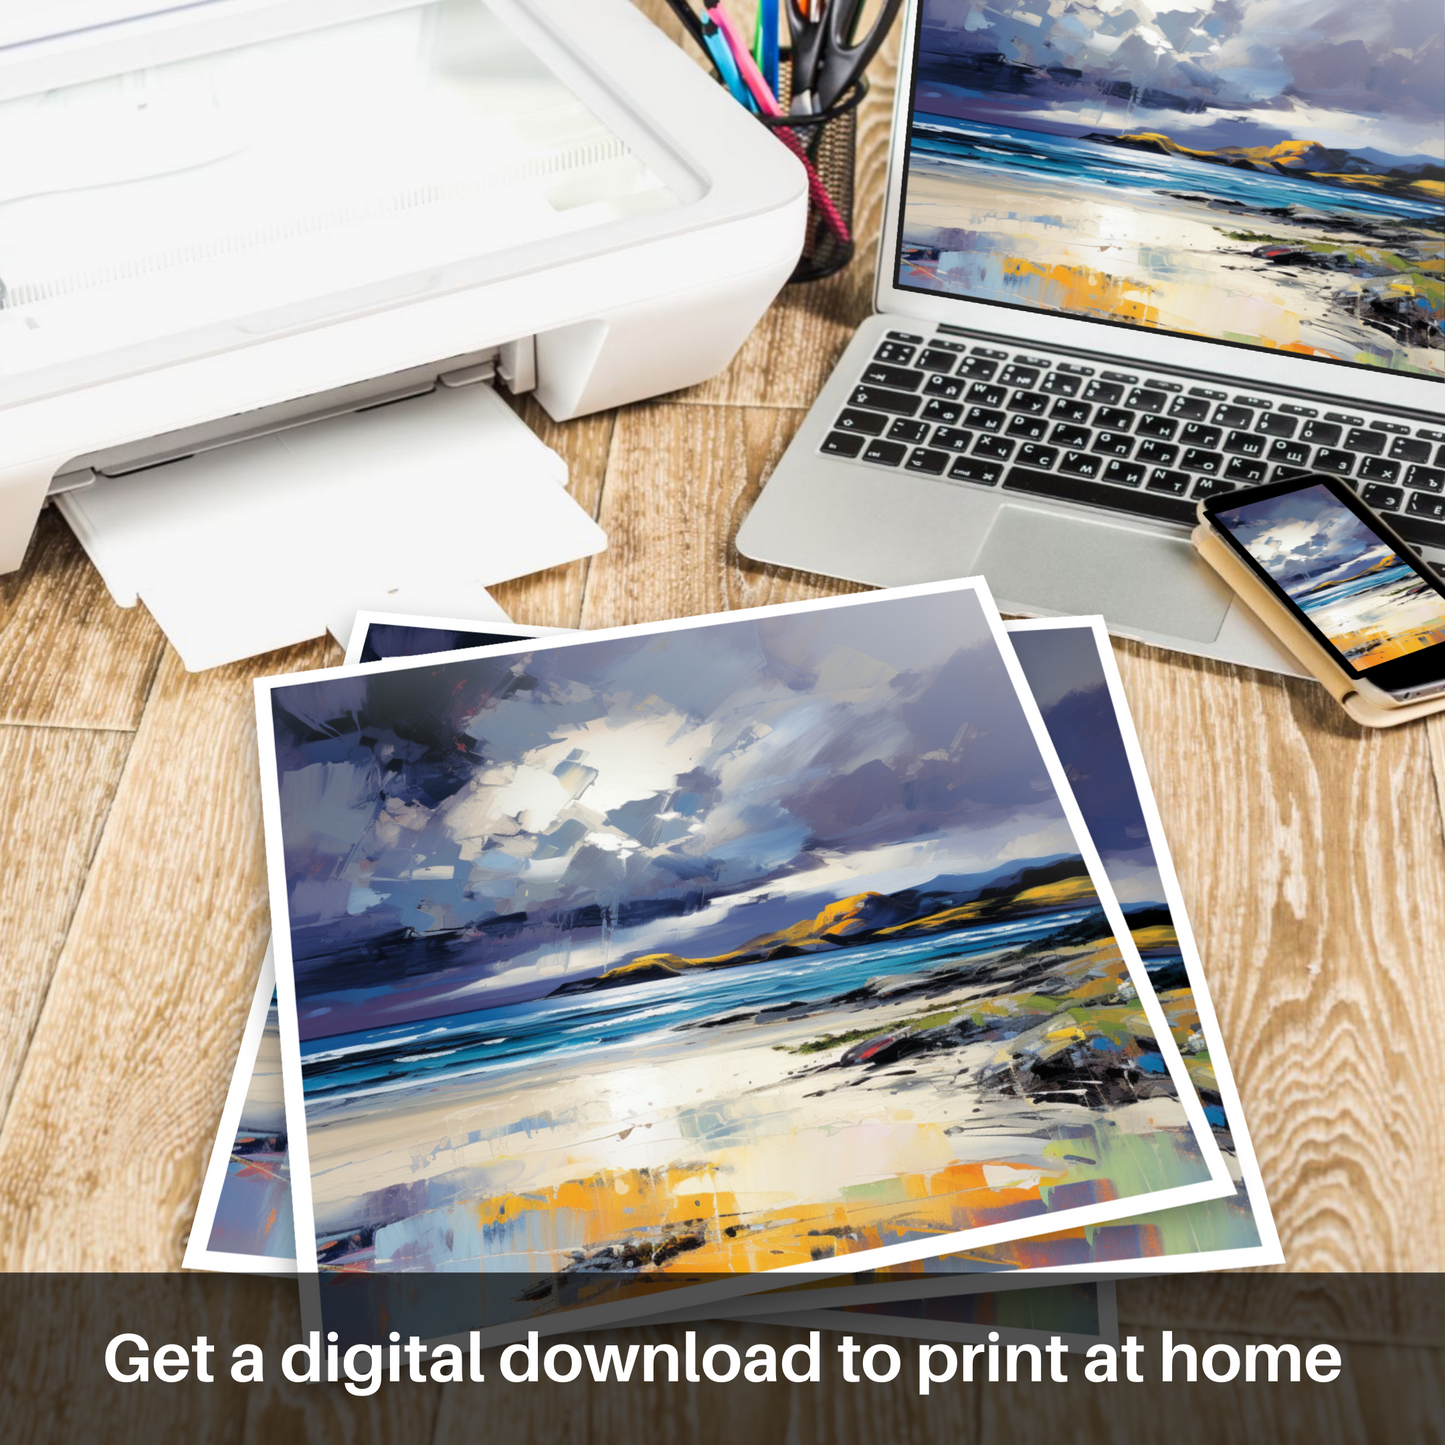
(1267, 173)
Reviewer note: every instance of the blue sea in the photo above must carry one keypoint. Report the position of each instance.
(974, 146)
(636, 1017)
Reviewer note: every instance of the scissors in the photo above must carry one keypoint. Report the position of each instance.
(828, 56)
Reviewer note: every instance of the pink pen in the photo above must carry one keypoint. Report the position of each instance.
(768, 105)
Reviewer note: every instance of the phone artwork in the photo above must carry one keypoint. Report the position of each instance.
(1358, 589)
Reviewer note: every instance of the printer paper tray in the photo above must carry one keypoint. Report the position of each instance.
(417, 506)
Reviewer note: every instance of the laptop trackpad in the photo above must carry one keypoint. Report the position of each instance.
(1071, 564)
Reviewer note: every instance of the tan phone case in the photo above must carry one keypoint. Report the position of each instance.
(1298, 639)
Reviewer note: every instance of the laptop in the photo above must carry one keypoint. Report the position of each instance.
(1131, 259)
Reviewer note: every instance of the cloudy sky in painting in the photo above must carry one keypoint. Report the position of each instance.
(568, 806)
(1306, 532)
(1209, 72)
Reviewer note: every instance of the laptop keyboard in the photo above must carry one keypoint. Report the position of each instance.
(1141, 444)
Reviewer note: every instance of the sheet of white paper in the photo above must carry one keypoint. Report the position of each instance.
(416, 506)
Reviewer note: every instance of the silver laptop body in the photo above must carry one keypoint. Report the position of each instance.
(1024, 403)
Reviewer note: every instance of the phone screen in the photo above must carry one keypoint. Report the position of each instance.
(1359, 591)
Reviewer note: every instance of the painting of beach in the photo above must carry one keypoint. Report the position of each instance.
(1372, 605)
(749, 943)
(1254, 173)
(253, 1210)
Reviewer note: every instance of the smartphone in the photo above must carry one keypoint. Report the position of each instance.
(1342, 571)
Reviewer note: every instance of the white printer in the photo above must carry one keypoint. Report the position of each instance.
(226, 223)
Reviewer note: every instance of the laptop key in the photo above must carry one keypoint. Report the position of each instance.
(1381, 498)
(971, 469)
(1421, 504)
(878, 398)
(1426, 479)
(1322, 433)
(1099, 494)
(1076, 411)
(1235, 416)
(1157, 454)
(886, 454)
(877, 374)
(981, 418)
(1113, 418)
(1196, 459)
(1211, 487)
(955, 439)
(1143, 399)
(1272, 424)
(1071, 436)
(1159, 427)
(1030, 427)
(1126, 474)
(1245, 444)
(895, 353)
(1377, 469)
(977, 368)
(1112, 444)
(944, 411)
(1195, 435)
(905, 336)
(1407, 449)
(905, 429)
(867, 422)
(984, 395)
(1161, 479)
(995, 447)
(1189, 408)
(1418, 530)
(1107, 392)
(1371, 443)
(1060, 383)
(1035, 403)
(1332, 459)
(1245, 469)
(843, 444)
(1081, 464)
(1291, 453)
(948, 387)
(923, 459)
(1031, 455)
(1015, 375)
(935, 360)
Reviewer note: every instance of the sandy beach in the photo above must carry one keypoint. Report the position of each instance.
(1157, 261)
(725, 1145)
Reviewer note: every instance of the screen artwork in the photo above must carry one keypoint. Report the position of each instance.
(1353, 586)
(1265, 172)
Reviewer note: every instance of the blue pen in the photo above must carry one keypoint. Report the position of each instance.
(768, 29)
(727, 67)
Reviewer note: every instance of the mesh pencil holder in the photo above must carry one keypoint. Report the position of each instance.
(826, 143)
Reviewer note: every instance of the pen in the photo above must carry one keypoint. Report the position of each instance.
(765, 42)
(767, 103)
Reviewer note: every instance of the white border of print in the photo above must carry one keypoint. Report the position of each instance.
(502, 626)
(199, 1254)
(1217, 1185)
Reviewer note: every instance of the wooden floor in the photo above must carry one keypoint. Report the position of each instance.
(133, 903)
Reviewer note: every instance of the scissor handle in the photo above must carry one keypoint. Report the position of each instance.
(845, 59)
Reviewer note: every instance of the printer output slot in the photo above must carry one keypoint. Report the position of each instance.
(513, 362)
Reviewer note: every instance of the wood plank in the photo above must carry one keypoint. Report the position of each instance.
(115, 1109)
(1311, 858)
(554, 598)
(56, 786)
(679, 482)
(707, 1413)
(69, 657)
(1344, 1412)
